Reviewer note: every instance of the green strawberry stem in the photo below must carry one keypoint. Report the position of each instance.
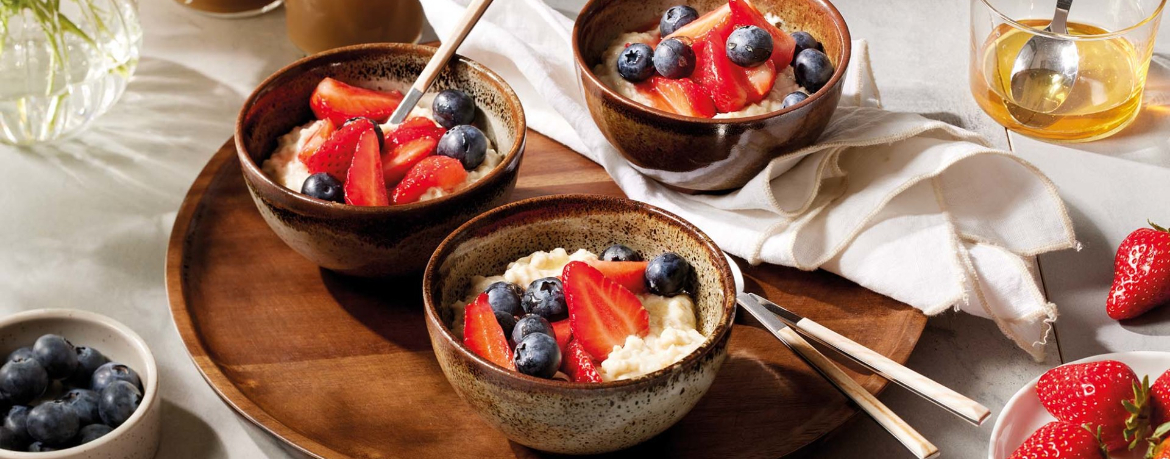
(1139, 410)
(1156, 227)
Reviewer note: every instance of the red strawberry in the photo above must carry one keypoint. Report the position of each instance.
(629, 274)
(364, 186)
(1160, 399)
(1104, 395)
(414, 128)
(717, 18)
(564, 333)
(321, 132)
(579, 365)
(483, 335)
(743, 13)
(761, 78)
(1160, 444)
(337, 102)
(684, 97)
(726, 82)
(601, 311)
(335, 155)
(433, 171)
(402, 158)
(1060, 440)
(1141, 274)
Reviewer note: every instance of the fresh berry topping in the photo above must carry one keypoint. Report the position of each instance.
(52, 423)
(337, 102)
(674, 59)
(504, 297)
(414, 128)
(365, 186)
(794, 98)
(322, 130)
(563, 332)
(813, 69)
(579, 365)
(1104, 395)
(324, 187)
(1060, 440)
(453, 107)
(760, 79)
(529, 324)
(22, 353)
(805, 40)
(404, 157)
(57, 355)
(1141, 274)
(628, 274)
(440, 172)
(726, 82)
(668, 274)
(483, 335)
(618, 252)
(465, 143)
(377, 130)
(118, 402)
(93, 432)
(14, 431)
(109, 373)
(683, 96)
(743, 13)
(546, 298)
(84, 402)
(601, 311)
(538, 355)
(336, 154)
(676, 17)
(636, 62)
(23, 380)
(698, 28)
(749, 46)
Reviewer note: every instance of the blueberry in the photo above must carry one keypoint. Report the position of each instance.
(636, 62)
(749, 46)
(38, 447)
(85, 403)
(452, 108)
(93, 432)
(24, 352)
(805, 40)
(668, 274)
(504, 298)
(674, 59)
(676, 17)
(88, 361)
(110, 372)
(14, 431)
(794, 98)
(377, 130)
(530, 324)
(813, 69)
(53, 423)
(546, 298)
(117, 402)
(618, 252)
(23, 380)
(57, 355)
(324, 187)
(465, 143)
(538, 355)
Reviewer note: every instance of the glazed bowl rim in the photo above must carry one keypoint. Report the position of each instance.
(523, 381)
(391, 50)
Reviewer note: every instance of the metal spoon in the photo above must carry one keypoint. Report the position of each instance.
(1044, 72)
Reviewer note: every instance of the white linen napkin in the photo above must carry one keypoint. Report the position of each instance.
(912, 208)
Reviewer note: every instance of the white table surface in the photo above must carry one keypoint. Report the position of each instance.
(86, 222)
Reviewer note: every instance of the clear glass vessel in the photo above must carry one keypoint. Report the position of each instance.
(63, 64)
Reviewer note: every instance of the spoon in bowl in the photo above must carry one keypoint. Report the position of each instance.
(1044, 72)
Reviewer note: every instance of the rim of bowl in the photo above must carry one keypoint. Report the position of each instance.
(98, 320)
(1064, 36)
(252, 168)
(430, 277)
(838, 73)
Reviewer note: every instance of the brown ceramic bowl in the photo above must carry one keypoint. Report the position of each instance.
(698, 154)
(373, 241)
(560, 416)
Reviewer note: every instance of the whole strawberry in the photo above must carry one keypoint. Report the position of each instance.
(1159, 443)
(1141, 273)
(1160, 400)
(1105, 396)
(1060, 440)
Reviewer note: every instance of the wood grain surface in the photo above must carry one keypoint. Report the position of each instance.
(341, 367)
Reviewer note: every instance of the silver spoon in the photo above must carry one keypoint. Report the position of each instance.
(1044, 71)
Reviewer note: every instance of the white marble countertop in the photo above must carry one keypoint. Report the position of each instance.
(87, 221)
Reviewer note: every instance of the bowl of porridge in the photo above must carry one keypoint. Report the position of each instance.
(361, 196)
(579, 324)
(702, 94)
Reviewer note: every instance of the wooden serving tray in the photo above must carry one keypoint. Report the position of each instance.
(342, 367)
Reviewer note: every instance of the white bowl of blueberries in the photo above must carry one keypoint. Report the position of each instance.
(76, 384)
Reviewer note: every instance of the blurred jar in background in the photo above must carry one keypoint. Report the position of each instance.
(231, 9)
(318, 25)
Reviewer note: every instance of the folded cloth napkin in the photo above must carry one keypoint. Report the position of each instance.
(915, 209)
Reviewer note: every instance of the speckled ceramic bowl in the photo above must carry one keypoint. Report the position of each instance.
(137, 438)
(560, 416)
(373, 241)
(698, 154)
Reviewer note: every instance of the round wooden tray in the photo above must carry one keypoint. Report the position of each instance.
(340, 367)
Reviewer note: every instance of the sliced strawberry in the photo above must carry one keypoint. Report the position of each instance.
(630, 274)
(483, 335)
(715, 19)
(579, 365)
(684, 97)
(335, 155)
(761, 78)
(414, 129)
(402, 158)
(433, 171)
(743, 13)
(365, 186)
(602, 313)
(337, 102)
(321, 132)
(564, 333)
(726, 82)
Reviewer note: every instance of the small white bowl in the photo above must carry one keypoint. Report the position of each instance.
(137, 438)
(1024, 414)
